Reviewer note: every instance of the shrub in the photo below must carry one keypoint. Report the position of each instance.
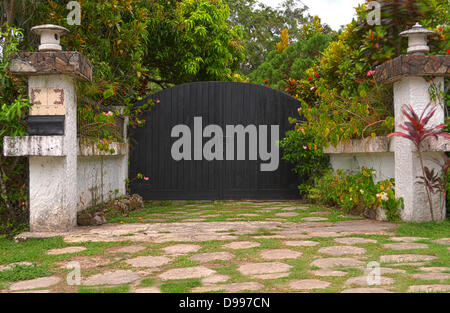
(308, 161)
(357, 193)
(340, 98)
(13, 112)
(293, 58)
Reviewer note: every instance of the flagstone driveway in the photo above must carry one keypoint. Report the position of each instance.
(233, 246)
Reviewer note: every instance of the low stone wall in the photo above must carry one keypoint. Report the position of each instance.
(371, 152)
(382, 163)
(376, 153)
(100, 175)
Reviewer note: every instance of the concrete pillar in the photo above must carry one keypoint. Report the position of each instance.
(53, 145)
(409, 74)
(413, 90)
(53, 180)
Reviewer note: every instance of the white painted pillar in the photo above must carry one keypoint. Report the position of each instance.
(413, 90)
(53, 180)
(52, 150)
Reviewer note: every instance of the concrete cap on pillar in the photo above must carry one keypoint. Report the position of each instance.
(417, 39)
(50, 36)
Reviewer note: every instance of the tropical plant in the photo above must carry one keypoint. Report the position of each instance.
(292, 59)
(307, 160)
(13, 112)
(357, 193)
(417, 131)
(340, 97)
(262, 26)
(191, 40)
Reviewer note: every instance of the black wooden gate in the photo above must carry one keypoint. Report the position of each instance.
(221, 104)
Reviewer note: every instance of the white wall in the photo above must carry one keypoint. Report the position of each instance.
(98, 178)
(383, 163)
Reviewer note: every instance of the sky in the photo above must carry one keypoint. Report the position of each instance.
(333, 12)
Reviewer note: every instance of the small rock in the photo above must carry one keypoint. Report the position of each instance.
(214, 279)
(401, 258)
(270, 276)
(294, 208)
(408, 264)
(187, 272)
(314, 219)
(431, 276)
(148, 261)
(194, 220)
(231, 288)
(308, 284)
(341, 250)
(90, 219)
(407, 239)
(66, 250)
(435, 269)
(181, 249)
(212, 256)
(147, 290)
(241, 245)
(280, 254)
(286, 214)
(85, 262)
(301, 243)
(366, 290)
(43, 282)
(136, 202)
(363, 281)
(112, 278)
(327, 263)
(12, 265)
(405, 246)
(325, 273)
(263, 268)
(127, 249)
(385, 270)
(354, 240)
(429, 288)
(443, 241)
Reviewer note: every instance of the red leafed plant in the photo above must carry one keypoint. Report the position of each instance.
(417, 130)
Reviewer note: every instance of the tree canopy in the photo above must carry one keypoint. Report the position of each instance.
(292, 59)
(262, 26)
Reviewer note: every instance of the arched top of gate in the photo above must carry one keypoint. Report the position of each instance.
(207, 84)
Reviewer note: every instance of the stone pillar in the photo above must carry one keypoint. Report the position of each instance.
(52, 146)
(414, 90)
(408, 74)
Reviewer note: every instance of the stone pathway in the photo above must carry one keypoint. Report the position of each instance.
(244, 246)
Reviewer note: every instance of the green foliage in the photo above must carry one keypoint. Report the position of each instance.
(284, 41)
(263, 25)
(340, 98)
(13, 110)
(357, 193)
(181, 286)
(13, 105)
(112, 35)
(294, 60)
(308, 161)
(23, 272)
(430, 230)
(192, 40)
